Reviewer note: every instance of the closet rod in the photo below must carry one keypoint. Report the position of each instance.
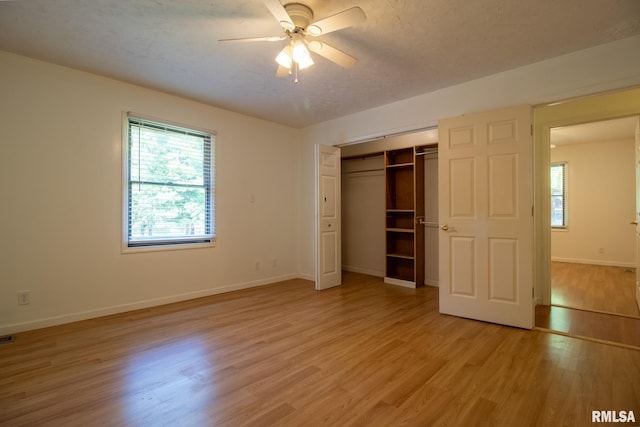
(364, 170)
(364, 156)
(425, 153)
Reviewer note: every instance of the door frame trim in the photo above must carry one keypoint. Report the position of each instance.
(587, 109)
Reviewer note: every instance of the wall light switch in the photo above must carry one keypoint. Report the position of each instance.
(24, 297)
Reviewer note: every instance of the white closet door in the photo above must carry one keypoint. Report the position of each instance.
(328, 225)
(485, 210)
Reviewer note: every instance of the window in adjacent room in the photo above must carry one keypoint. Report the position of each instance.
(169, 185)
(559, 195)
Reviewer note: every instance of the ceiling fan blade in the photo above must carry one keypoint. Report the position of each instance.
(282, 71)
(255, 39)
(344, 19)
(280, 13)
(332, 54)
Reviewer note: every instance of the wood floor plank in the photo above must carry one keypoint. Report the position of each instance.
(365, 353)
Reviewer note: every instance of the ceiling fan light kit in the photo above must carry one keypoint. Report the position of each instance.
(301, 55)
(296, 20)
(285, 58)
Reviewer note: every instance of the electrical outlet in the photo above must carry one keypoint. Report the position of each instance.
(274, 263)
(24, 297)
(601, 250)
(257, 265)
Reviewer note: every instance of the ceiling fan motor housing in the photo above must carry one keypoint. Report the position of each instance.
(300, 14)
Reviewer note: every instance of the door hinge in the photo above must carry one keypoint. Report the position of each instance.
(531, 128)
(531, 210)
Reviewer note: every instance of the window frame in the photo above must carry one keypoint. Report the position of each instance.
(167, 244)
(564, 195)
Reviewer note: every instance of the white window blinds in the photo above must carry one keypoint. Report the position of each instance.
(170, 184)
(559, 195)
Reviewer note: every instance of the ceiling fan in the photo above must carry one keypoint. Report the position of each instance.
(297, 22)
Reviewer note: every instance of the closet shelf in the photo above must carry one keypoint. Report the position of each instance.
(402, 256)
(404, 188)
(400, 230)
(400, 165)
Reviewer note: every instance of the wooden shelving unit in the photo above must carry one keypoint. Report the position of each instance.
(404, 178)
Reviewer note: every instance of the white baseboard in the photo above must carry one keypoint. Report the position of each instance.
(122, 308)
(429, 282)
(595, 262)
(399, 282)
(361, 270)
(306, 277)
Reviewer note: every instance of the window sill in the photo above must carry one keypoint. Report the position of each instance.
(167, 247)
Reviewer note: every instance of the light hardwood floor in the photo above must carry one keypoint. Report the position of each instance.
(365, 353)
(593, 302)
(594, 287)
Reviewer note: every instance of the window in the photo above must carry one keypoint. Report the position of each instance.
(169, 194)
(559, 195)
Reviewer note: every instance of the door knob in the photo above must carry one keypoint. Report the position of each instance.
(444, 227)
(634, 222)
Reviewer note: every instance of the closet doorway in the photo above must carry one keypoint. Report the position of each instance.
(363, 203)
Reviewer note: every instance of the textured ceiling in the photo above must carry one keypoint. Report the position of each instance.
(406, 47)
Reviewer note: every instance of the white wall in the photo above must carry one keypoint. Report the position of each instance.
(60, 193)
(601, 203)
(363, 215)
(606, 67)
(432, 229)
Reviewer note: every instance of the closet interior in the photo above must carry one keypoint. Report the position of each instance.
(390, 211)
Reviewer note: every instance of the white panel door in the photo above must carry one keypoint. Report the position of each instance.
(637, 219)
(328, 225)
(485, 186)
